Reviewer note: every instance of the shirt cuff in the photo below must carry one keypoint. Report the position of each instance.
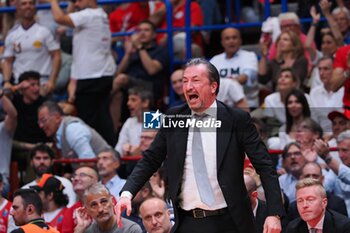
(126, 194)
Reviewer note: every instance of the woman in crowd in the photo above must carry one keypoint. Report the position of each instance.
(290, 54)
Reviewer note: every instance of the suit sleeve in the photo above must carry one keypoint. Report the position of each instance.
(260, 158)
(149, 164)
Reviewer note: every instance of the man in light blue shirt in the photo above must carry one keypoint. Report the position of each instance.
(107, 165)
(73, 137)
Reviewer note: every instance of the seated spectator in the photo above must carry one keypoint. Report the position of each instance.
(323, 99)
(107, 165)
(176, 84)
(259, 207)
(144, 63)
(340, 169)
(26, 211)
(82, 178)
(313, 170)
(290, 55)
(293, 161)
(41, 161)
(340, 123)
(314, 216)
(8, 125)
(74, 138)
(290, 22)
(238, 64)
(179, 38)
(54, 201)
(139, 100)
(296, 108)
(308, 131)
(274, 103)
(155, 215)
(145, 193)
(98, 214)
(328, 49)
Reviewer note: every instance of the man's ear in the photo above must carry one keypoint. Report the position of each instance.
(30, 209)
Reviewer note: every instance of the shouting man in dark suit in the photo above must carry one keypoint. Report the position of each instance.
(224, 205)
(311, 201)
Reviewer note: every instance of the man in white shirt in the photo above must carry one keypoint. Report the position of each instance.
(312, 201)
(323, 99)
(238, 64)
(93, 65)
(31, 46)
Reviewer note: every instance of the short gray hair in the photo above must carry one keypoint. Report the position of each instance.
(343, 136)
(289, 16)
(97, 188)
(309, 182)
(340, 9)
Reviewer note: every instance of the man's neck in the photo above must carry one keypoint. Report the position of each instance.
(109, 224)
(52, 207)
(26, 23)
(107, 178)
(328, 87)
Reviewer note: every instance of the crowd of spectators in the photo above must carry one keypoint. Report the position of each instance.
(84, 104)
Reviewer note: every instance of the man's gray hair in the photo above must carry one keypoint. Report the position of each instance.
(343, 135)
(289, 16)
(94, 189)
(340, 9)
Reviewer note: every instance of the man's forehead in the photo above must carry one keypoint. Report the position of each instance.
(97, 197)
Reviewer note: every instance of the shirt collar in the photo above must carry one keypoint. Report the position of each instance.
(58, 135)
(211, 111)
(319, 225)
(234, 55)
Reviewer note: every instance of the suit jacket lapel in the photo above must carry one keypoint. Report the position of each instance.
(224, 133)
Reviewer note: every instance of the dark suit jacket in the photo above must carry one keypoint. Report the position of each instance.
(335, 203)
(261, 214)
(333, 223)
(236, 136)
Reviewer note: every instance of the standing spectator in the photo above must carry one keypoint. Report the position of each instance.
(228, 210)
(30, 46)
(93, 65)
(8, 125)
(107, 164)
(155, 215)
(314, 217)
(238, 64)
(74, 138)
(50, 190)
(26, 211)
(41, 161)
